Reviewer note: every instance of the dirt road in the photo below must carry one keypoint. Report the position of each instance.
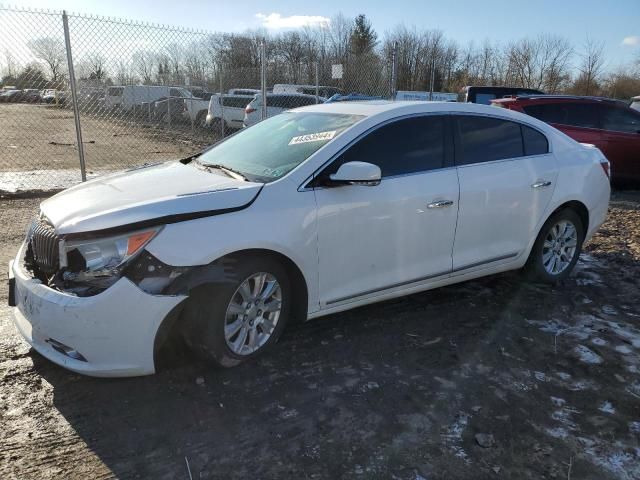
(491, 379)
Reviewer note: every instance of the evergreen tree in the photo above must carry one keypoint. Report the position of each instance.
(363, 37)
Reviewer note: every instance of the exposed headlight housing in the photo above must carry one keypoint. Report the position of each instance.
(98, 262)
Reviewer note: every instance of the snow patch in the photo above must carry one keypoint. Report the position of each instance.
(587, 355)
(606, 407)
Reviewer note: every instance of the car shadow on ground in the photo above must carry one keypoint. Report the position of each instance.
(401, 388)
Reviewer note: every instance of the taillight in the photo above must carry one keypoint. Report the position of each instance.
(606, 167)
(249, 109)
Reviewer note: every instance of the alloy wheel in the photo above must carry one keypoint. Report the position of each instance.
(253, 313)
(559, 248)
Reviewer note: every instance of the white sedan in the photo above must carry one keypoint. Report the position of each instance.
(308, 213)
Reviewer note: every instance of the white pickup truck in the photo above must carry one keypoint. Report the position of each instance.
(227, 108)
(196, 108)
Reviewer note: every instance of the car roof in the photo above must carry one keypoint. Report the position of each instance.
(376, 107)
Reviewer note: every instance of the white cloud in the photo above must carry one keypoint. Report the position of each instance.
(276, 21)
(631, 41)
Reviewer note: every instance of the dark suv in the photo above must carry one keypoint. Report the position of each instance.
(608, 124)
(484, 95)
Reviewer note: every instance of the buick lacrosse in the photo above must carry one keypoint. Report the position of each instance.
(311, 212)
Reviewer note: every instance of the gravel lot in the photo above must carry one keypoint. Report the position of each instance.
(37, 145)
(492, 378)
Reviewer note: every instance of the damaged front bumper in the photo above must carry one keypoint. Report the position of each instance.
(111, 334)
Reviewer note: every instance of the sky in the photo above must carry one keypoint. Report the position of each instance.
(614, 22)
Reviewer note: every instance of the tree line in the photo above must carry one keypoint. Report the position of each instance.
(547, 62)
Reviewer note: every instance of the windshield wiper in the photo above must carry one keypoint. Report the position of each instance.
(229, 171)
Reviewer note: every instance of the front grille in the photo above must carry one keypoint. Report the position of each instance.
(43, 244)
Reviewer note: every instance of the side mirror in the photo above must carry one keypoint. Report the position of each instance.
(357, 173)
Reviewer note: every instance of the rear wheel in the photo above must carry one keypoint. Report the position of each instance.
(201, 120)
(557, 248)
(239, 319)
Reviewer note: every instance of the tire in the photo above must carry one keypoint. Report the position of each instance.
(201, 120)
(556, 251)
(208, 313)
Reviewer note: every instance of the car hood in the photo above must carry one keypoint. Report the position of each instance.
(162, 193)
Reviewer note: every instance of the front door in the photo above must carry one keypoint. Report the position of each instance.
(395, 234)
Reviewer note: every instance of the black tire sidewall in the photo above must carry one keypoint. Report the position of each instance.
(207, 305)
(535, 265)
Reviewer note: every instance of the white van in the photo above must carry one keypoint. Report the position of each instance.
(323, 91)
(130, 96)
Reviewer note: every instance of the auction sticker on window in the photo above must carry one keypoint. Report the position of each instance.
(313, 137)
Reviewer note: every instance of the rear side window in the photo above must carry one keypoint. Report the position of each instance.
(583, 115)
(404, 146)
(484, 139)
(236, 102)
(535, 143)
(113, 91)
(620, 120)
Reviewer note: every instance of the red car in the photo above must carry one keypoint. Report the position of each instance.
(608, 124)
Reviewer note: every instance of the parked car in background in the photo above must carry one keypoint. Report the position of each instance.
(635, 103)
(426, 96)
(196, 108)
(52, 95)
(169, 110)
(484, 95)
(11, 96)
(31, 95)
(276, 103)
(131, 97)
(608, 124)
(323, 91)
(309, 213)
(352, 97)
(244, 91)
(229, 109)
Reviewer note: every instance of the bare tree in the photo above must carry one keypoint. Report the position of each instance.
(52, 52)
(144, 63)
(591, 68)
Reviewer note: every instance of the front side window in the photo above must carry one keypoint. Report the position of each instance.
(484, 139)
(620, 120)
(272, 148)
(405, 146)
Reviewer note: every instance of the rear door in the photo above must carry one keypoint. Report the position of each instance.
(507, 176)
(621, 130)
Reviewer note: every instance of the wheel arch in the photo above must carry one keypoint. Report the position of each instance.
(578, 207)
(219, 271)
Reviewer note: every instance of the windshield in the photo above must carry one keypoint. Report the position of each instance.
(274, 147)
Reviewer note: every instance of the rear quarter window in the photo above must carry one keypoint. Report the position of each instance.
(535, 143)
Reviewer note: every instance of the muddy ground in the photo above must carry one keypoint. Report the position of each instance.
(547, 379)
(37, 144)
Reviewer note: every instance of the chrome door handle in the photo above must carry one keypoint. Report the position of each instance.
(440, 204)
(540, 184)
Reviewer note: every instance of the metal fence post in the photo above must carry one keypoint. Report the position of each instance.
(317, 82)
(74, 95)
(221, 106)
(263, 78)
(433, 76)
(394, 70)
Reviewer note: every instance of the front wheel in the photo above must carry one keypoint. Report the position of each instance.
(233, 321)
(557, 248)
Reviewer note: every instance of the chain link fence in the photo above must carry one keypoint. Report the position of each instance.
(83, 95)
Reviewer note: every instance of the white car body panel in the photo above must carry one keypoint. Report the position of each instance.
(114, 330)
(353, 244)
(499, 209)
(394, 214)
(145, 193)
